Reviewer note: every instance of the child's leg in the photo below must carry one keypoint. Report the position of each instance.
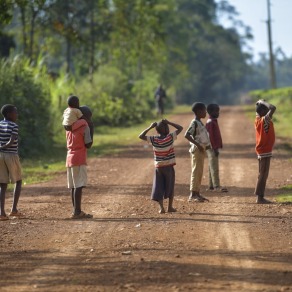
(16, 195)
(162, 210)
(213, 169)
(77, 200)
(170, 205)
(197, 159)
(3, 188)
(264, 167)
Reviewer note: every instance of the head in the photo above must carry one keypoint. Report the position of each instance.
(73, 101)
(261, 109)
(162, 128)
(87, 113)
(9, 112)
(213, 110)
(199, 109)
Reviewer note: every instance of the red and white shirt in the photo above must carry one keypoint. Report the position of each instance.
(163, 149)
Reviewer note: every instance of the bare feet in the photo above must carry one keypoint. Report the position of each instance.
(162, 211)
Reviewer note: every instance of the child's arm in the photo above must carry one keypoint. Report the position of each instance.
(178, 127)
(10, 142)
(142, 136)
(271, 107)
(191, 139)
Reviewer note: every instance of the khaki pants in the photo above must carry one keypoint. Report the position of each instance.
(197, 159)
(264, 167)
(213, 160)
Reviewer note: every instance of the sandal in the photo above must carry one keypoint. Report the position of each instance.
(15, 214)
(4, 218)
(81, 215)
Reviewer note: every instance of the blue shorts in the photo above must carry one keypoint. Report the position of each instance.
(163, 183)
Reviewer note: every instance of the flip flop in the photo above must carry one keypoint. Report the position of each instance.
(4, 218)
(15, 214)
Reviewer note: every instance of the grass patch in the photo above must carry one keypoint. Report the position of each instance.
(286, 198)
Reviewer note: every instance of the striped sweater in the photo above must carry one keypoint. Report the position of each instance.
(8, 128)
(163, 149)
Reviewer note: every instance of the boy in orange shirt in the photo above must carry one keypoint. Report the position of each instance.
(265, 139)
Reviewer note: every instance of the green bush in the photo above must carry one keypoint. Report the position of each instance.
(19, 86)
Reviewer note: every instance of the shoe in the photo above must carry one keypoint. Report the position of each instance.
(197, 198)
(261, 200)
(16, 214)
(220, 190)
(81, 215)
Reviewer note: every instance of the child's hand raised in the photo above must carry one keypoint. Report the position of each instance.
(153, 125)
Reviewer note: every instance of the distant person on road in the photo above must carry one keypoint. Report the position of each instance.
(265, 139)
(160, 95)
(213, 129)
(198, 137)
(78, 141)
(72, 113)
(164, 161)
(10, 168)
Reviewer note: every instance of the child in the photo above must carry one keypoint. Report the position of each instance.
(10, 168)
(72, 113)
(265, 139)
(164, 160)
(216, 143)
(78, 141)
(198, 137)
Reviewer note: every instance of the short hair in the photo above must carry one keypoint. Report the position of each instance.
(198, 106)
(7, 109)
(86, 111)
(159, 126)
(260, 108)
(73, 100)
(211, 107)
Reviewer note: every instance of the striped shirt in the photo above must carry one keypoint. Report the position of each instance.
(163, 149)
(7, 129)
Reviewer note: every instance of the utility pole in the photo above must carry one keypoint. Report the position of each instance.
(273, 82)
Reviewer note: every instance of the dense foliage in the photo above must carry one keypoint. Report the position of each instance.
(114, 53)
(19, 86)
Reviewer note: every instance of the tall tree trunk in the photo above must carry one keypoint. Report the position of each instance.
(32, 30)
(23, 22)
(68, 54)
(92, 42)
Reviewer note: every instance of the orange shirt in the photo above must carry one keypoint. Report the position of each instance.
(265, 136)
(76, 140)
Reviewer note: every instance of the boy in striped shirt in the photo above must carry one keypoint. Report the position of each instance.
(10, 169)
(164, 160)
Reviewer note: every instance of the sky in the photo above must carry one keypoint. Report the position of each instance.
(253, 13)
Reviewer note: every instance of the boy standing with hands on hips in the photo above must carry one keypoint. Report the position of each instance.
(198, 137)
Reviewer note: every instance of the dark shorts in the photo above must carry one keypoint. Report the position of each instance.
(163, 183)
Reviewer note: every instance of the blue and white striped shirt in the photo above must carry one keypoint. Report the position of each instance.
(7, 129)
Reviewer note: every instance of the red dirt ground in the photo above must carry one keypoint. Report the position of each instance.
(228, 244)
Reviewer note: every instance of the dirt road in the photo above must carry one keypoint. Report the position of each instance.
(228, 244)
